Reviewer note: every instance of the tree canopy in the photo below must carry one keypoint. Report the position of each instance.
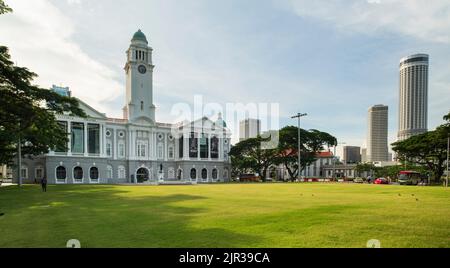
(28, 111)
(428, 149)
(248, 155)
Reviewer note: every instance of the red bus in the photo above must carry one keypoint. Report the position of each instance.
(409, 178)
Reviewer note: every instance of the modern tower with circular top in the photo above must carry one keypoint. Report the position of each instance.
(413, 98)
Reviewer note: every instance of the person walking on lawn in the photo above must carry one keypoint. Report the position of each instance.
(44, 184)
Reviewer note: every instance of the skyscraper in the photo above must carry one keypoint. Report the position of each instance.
(377, 135)
(413, 97)
(249, 128)
(351, 154)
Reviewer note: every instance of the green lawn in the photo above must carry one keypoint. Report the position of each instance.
(226, 215)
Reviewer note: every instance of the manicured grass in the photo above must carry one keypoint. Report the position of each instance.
(226, 215)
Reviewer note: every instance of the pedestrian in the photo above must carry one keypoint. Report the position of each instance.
(44, 184)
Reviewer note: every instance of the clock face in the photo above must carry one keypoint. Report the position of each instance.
(142, 69)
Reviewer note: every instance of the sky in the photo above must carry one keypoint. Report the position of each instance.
(332, 59)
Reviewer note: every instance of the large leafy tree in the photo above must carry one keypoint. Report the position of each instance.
(250, 155)
(428, 149)
(27, 112)
(312, 142)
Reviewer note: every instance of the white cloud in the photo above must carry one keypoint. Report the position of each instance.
(427, 20)
(39, 37)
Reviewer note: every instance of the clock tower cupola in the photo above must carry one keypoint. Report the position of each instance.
(139, 88)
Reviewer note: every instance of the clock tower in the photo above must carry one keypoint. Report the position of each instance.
(139, 88)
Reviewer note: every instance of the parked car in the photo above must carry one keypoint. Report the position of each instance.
(358, 180)
(381, 181)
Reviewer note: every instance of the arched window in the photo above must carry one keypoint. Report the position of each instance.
(180, 174)
(109, 172)
(93, 173)
(214, 174)
(61, 173)
(193, 174)
(171, 173)
(78, 173)
(204, 173)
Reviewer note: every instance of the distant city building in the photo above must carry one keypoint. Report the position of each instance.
(413, 97)
(377, 136)
(351, 154)
(63, 91)
(363, 155)
(249, 128)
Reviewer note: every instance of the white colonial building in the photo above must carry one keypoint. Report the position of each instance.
(135, 148)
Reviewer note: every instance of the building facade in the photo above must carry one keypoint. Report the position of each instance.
(249, 128)
(135, 148)
(351, 154)
(413, 96)
(377, 135)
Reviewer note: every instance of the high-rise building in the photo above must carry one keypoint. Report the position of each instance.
(351, 154)
(377, 136)
(249, 128)
(413, 98)
(363, 155)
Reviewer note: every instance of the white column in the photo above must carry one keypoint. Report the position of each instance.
(186, 147)
(113, 149)
(166, 146)
(198, 146)
(101, 134)
(69, 130)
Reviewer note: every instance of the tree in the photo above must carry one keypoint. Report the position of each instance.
(428, 149)
(312, 142)
(248, 155)
(27, 112)
(365, 167)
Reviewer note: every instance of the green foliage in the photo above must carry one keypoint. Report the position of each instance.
(248, 156)
(4, 8)
(427, 150)
(28, 112)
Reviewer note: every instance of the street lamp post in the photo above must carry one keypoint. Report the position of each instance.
(298, 116)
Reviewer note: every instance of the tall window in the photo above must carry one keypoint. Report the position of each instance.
(39, 173)
(108, 148)
(214, 147)
(24, 172)
(78, 173)
(193, 145)
(142, 105)
(77, 137)
(93, 138)
(61, 174)
(204, 174)
(180, 146)
(160, 151)
(214, 174)
(171, 152)
(121, 149)
(121, 172)
(62, 148)
(203, 146)
(141, 149)
(93, 173)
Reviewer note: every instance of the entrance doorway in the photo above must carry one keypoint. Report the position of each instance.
(142, 175)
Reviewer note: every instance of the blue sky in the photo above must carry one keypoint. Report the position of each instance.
(331, 59)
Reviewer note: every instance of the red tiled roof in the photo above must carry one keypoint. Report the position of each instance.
(323, 154)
